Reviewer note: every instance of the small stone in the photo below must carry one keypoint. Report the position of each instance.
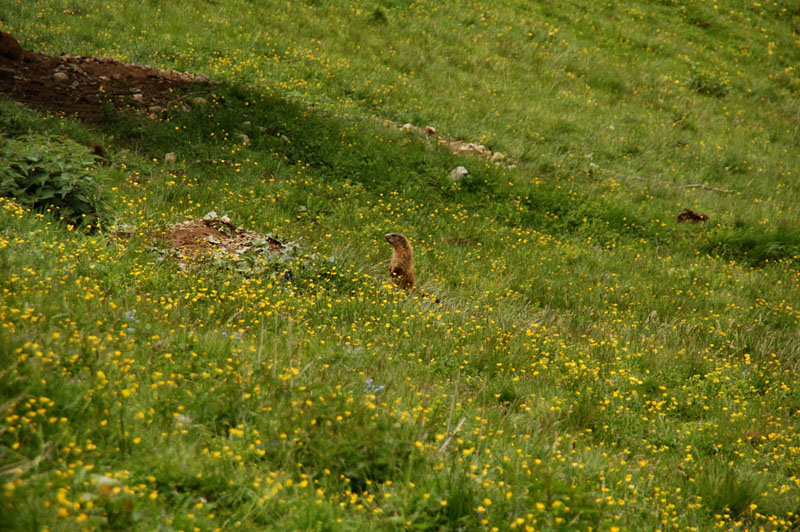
(429, 130)
(138, 98)
(458, 173)
(170, 159)
(497, 157)
(104, 480)
(125, 230)
(60, 76)
(408, 127)
(247, 124)
(183, 420)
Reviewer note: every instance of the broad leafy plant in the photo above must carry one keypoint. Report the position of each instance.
(50, 173)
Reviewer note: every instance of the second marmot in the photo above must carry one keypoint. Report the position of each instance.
(402, 265)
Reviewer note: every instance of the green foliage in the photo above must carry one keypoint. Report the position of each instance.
(708, 82)
(51, 174)
(758, 246)
(726, 490)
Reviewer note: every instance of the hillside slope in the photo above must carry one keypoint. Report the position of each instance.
(592, 363)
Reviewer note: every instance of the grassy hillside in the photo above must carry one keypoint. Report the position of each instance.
(591, 364)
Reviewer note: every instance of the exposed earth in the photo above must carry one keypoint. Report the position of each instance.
(71, 84)
(210, 232)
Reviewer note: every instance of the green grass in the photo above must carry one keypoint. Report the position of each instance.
(592, 363)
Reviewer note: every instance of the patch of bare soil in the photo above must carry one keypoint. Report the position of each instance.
(688, 215)
(213, 232)
(71, 84)
(216, 241)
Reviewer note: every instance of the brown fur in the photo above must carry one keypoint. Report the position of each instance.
(401, 267)
(688, 215)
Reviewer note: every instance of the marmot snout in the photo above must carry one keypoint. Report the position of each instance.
(401, 267)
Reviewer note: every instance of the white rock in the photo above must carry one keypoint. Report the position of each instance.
(182, 419)
(458, 173)
(103, 480)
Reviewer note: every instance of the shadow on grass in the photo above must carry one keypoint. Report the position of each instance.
(758, 247)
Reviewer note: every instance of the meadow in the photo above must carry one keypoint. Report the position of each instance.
(592, 364)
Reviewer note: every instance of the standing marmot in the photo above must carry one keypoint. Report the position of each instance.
(402, 265)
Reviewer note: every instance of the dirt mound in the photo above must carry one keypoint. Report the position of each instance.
(215, 241)
(688, 215)
(81, 85)
(213, 232)
(10, 48)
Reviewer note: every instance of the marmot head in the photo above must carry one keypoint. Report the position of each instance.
(397, 240)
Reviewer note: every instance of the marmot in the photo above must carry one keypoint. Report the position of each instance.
(402, 265)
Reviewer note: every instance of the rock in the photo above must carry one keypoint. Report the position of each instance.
(429, 130)
(407, 127)
(60, 76)
(104, 480)
(497, 157)
(138, 98)
(458, 173)
(10, 48)
(123, 230)
(247, 124)
(183, 420)
(170, 159)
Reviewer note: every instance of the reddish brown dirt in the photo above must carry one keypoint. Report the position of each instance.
(199, 236)
(80, 85)
(688, 215)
